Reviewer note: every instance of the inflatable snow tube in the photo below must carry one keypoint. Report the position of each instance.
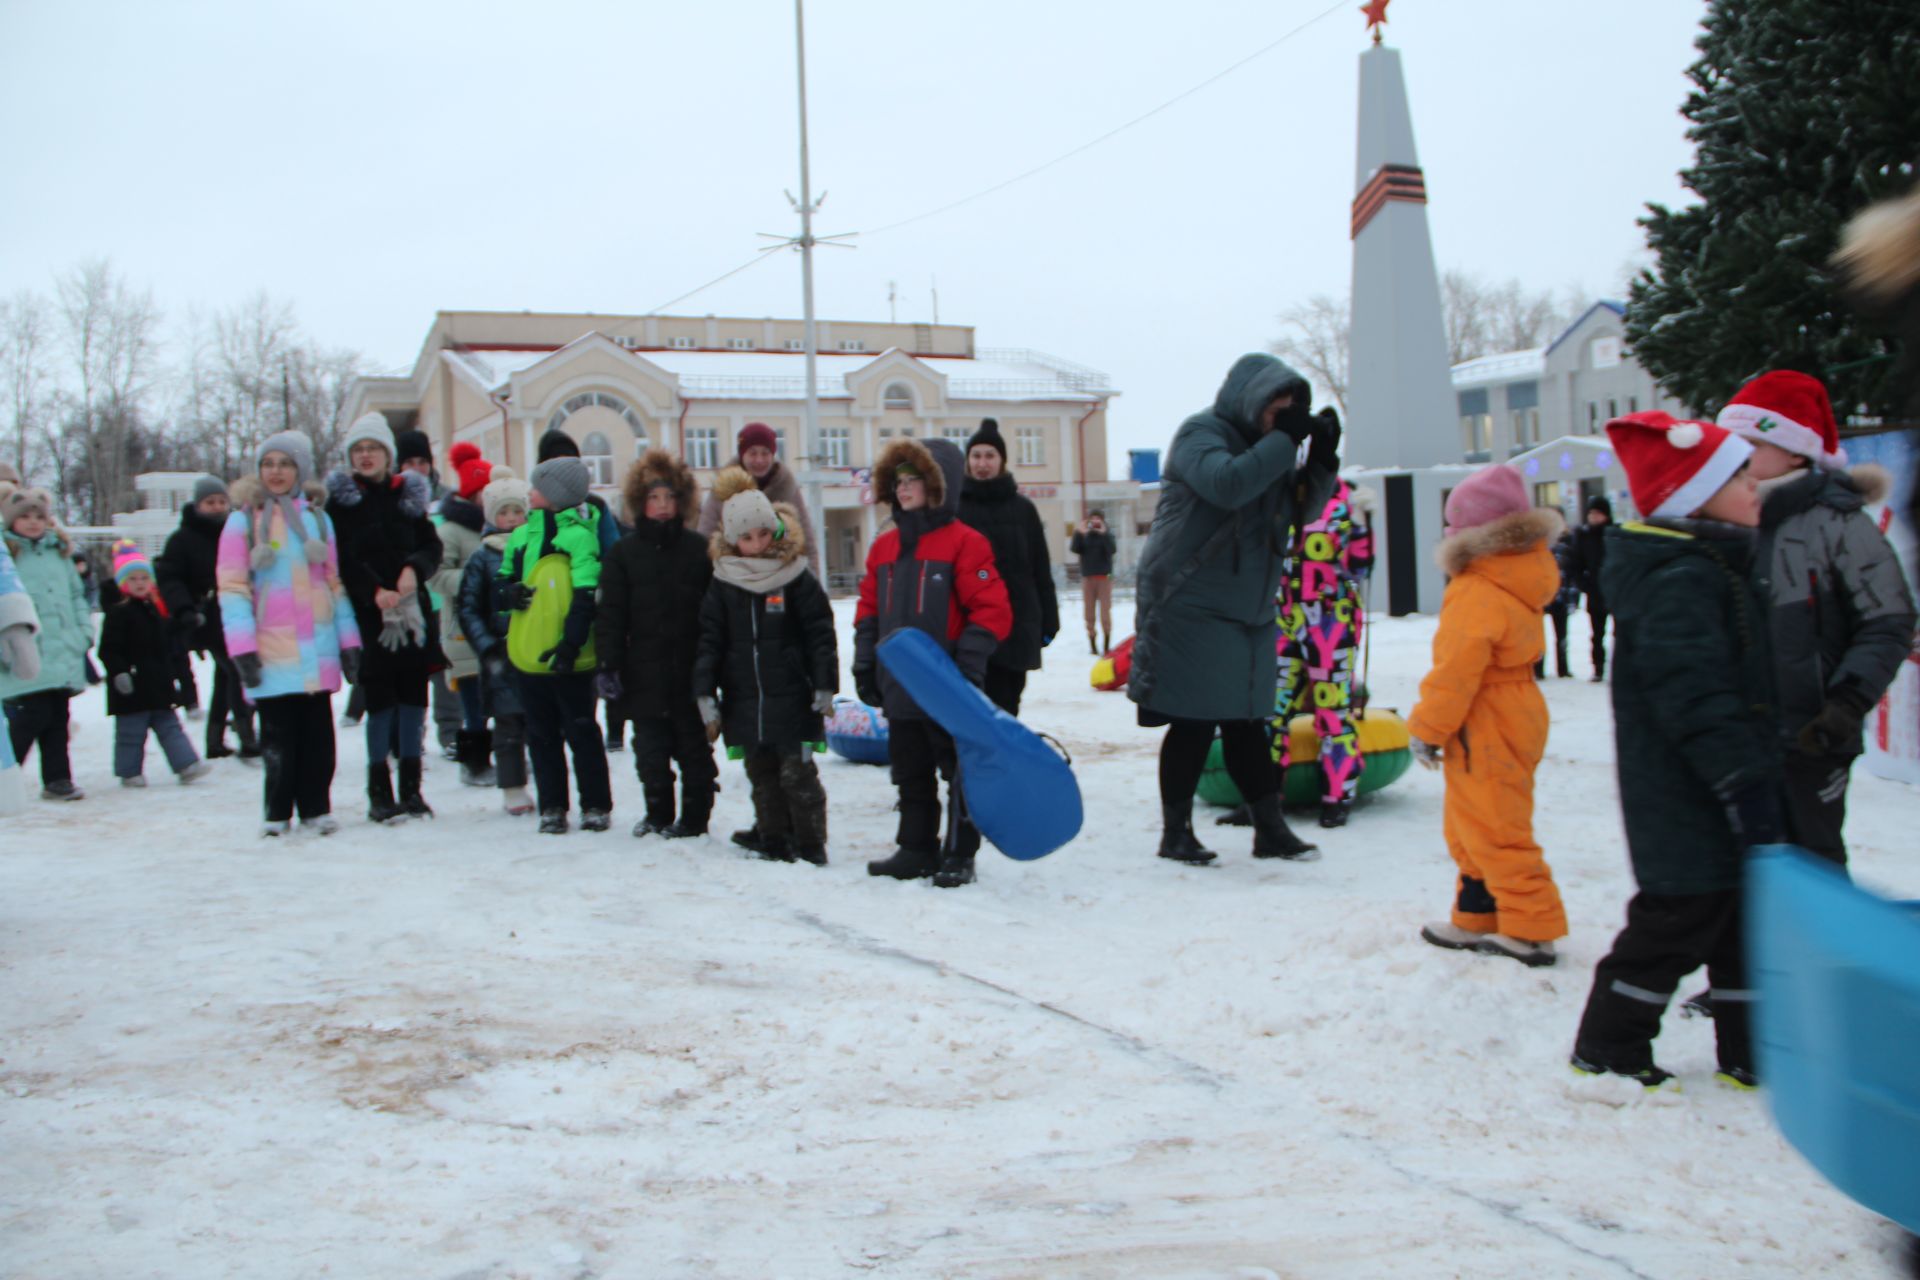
(1114, 668)
(1836, 977)
(857, 732)
(1385, 747)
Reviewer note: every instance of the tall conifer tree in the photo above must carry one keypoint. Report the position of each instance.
(1804, 112)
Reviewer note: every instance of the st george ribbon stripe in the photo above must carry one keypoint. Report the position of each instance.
(1389, 182)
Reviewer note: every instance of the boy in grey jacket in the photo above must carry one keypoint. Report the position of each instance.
(1841, 613)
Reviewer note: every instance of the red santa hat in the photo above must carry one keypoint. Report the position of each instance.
(1674, 467)
(1789, 410)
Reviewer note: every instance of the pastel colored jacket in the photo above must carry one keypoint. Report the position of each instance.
(292, 613)
(45, 566)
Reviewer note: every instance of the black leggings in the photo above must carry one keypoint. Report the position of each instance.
(1243, 744)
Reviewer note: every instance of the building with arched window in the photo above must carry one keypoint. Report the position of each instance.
(619, 385)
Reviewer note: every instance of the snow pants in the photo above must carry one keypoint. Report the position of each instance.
(560, 717)
(1667, 937)
(921, 755)
(40, 720)
(130, 741)
(789, 804)
(1316, 679)
(659, 743)
(1505, 885)
(296, 744)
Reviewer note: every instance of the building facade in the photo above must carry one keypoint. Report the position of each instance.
(619, 385)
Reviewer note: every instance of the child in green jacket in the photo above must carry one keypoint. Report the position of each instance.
(549, 573)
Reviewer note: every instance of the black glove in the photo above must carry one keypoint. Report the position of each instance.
(1294, 420)
(1325, 452)
(561, 657)
(1754, 813)
(350, 665)
(606, 685)
(866, 687)
(515, 596)
(191, 620)
(978, 679)
(1835, 729)
(123, 684)
(248, 665)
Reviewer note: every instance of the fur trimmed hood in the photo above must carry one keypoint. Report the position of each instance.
(652, 467)
(912, 453)
(791, 545)
(247, 493)
(1873, 481)
(416, 491)
(1511, 533)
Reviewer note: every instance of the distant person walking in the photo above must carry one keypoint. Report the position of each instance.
(1096, 547)
(1589, 557)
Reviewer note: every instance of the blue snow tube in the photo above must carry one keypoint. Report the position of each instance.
(857, 732)
(1836, 972)
(1019, 791)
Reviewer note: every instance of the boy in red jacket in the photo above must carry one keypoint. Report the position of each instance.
(937, 575)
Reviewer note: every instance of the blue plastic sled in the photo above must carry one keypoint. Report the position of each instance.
(1836, 972)
(857, 732)
(1019, 792)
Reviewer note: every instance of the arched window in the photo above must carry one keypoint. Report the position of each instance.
(597, 453)
(601, 400)
(898, 395)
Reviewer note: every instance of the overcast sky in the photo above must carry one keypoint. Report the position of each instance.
(375, 162)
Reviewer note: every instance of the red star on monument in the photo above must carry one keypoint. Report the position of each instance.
(1376, 11)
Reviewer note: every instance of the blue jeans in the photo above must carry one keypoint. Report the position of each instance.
(396, 731)
(130, 741)
(473, 707)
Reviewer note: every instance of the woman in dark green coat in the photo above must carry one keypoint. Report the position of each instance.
(1203, 655)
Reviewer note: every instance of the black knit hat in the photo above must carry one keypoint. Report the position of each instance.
(989, 434)
(413, 444)
(1601, 503)
(557, 444)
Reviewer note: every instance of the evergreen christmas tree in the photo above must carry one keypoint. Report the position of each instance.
(1805, 112)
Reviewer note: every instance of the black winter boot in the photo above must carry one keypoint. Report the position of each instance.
(1177, 841)
(1093, 646)
(476, 758)
(1272, 838)
(906, 864)
(955, 870)
(1334, 814)
(1238, 816)
(380, 803)
(412, 803)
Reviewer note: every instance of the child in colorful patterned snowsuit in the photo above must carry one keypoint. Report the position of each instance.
(1481, 717)
(1320, 624)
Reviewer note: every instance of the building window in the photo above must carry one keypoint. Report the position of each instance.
(898, 395)
(1604, 352)
(1030, 446)
(739, 344)
(680, 344)
(600, 400)
(597, 453)
(852, 344)
(1526, 428)
(703, 447)
(1633, 404)
(838, 445)
(1593, 417)
(1546, 494)
(1613, 410)
(959, 435)
(1476, 425)
(780, 444)
(627, 340)
(796, 344)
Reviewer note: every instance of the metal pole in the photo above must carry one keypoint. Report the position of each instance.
(810, 473)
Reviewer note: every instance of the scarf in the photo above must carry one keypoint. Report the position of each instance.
(264, 547)
(758, 574)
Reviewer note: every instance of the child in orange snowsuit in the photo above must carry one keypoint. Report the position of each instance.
(1481, 716)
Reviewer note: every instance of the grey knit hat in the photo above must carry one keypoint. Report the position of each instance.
(206, 486)
(563, 482)
(297, 447)
(746, 511)
(371, 425)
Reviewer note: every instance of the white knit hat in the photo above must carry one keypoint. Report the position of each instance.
(371, 425)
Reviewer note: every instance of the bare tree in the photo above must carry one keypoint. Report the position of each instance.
(1486, 319)
(24, 331)
(111, 333)
(1313, 339)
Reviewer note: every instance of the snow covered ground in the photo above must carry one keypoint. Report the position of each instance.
(461, 1050)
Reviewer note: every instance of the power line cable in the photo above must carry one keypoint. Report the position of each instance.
(1261, 52)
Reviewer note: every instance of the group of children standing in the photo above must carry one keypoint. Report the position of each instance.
(1759, 616)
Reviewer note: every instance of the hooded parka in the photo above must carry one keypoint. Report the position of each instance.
(647, 625)
(45, 565)
(1230, 497)
(186, 573)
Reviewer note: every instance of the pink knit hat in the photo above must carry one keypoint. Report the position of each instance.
(1485, 496)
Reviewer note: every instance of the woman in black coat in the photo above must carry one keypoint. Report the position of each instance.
(388, 551)
(990, 503)
(184, 572)
(646, 631)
